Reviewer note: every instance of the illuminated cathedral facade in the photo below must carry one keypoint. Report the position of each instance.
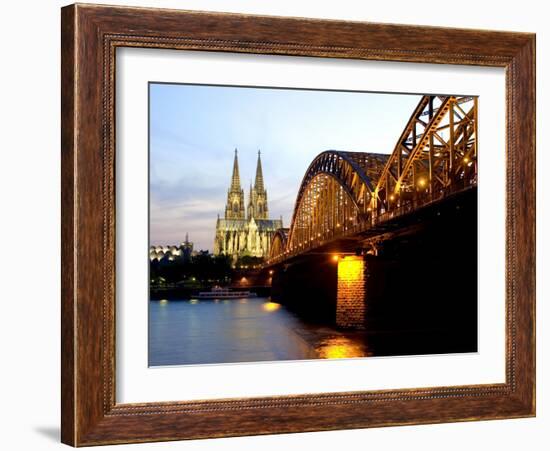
(245, 230)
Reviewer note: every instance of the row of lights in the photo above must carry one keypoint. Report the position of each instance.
(423, 182)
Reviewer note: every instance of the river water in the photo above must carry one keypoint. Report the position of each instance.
(240, 330)
(183, 332)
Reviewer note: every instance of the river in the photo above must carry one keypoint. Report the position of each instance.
(183, 332)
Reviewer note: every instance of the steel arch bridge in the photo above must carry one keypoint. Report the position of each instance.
(347, 193)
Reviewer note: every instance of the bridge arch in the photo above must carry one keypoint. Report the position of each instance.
(278, 243)
(334, 196)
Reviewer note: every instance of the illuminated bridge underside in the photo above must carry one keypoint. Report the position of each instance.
(345, 194)
(278, 243)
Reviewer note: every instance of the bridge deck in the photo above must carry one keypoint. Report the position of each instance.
(400, 222)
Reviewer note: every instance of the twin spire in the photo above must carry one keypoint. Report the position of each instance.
(236, 179)
(257, 207)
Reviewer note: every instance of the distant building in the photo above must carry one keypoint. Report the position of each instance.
(187, 249)
(240, 235)
(172, 252)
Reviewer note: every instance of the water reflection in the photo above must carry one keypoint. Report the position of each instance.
(341, 347)
(270, 306)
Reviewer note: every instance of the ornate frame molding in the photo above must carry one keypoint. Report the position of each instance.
(90, 36)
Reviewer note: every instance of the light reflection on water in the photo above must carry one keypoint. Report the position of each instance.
(270, 306)
(341, 348)
(240, 330)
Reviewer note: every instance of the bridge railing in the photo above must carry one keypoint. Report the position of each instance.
(422, 201)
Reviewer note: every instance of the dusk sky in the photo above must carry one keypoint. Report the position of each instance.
(195, 129)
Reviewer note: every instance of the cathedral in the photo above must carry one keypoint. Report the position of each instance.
(245, 233)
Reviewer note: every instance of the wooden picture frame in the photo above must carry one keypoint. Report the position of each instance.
(90, 36)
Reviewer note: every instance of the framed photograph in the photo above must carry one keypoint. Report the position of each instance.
(279, 225)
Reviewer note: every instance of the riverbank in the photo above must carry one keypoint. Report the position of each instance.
(178, 292)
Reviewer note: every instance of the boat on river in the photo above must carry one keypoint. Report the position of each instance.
(225, 293)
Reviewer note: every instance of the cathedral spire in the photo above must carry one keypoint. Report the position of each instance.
(259, 182)
(258, 197)
(235, 178)
(234, 208)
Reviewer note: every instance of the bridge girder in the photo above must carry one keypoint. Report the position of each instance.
(436, 154)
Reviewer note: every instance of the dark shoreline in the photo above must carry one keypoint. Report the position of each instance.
(172, 293)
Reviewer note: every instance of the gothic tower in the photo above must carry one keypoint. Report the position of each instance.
(257, 205)
(237, 236)
(234, 208)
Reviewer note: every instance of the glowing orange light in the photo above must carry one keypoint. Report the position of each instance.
(335, 258)
(270, 306)
(422, 182)
(392, 197)
(340, 348)
(270, 271)
(466, 160)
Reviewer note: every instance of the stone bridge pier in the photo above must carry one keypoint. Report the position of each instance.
(351, 292)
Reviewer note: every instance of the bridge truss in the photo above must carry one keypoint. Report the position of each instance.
(344, 193)
(435, 155)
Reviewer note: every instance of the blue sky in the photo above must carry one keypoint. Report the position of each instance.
(195, 129)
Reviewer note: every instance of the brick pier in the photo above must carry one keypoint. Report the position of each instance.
(351, 292)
